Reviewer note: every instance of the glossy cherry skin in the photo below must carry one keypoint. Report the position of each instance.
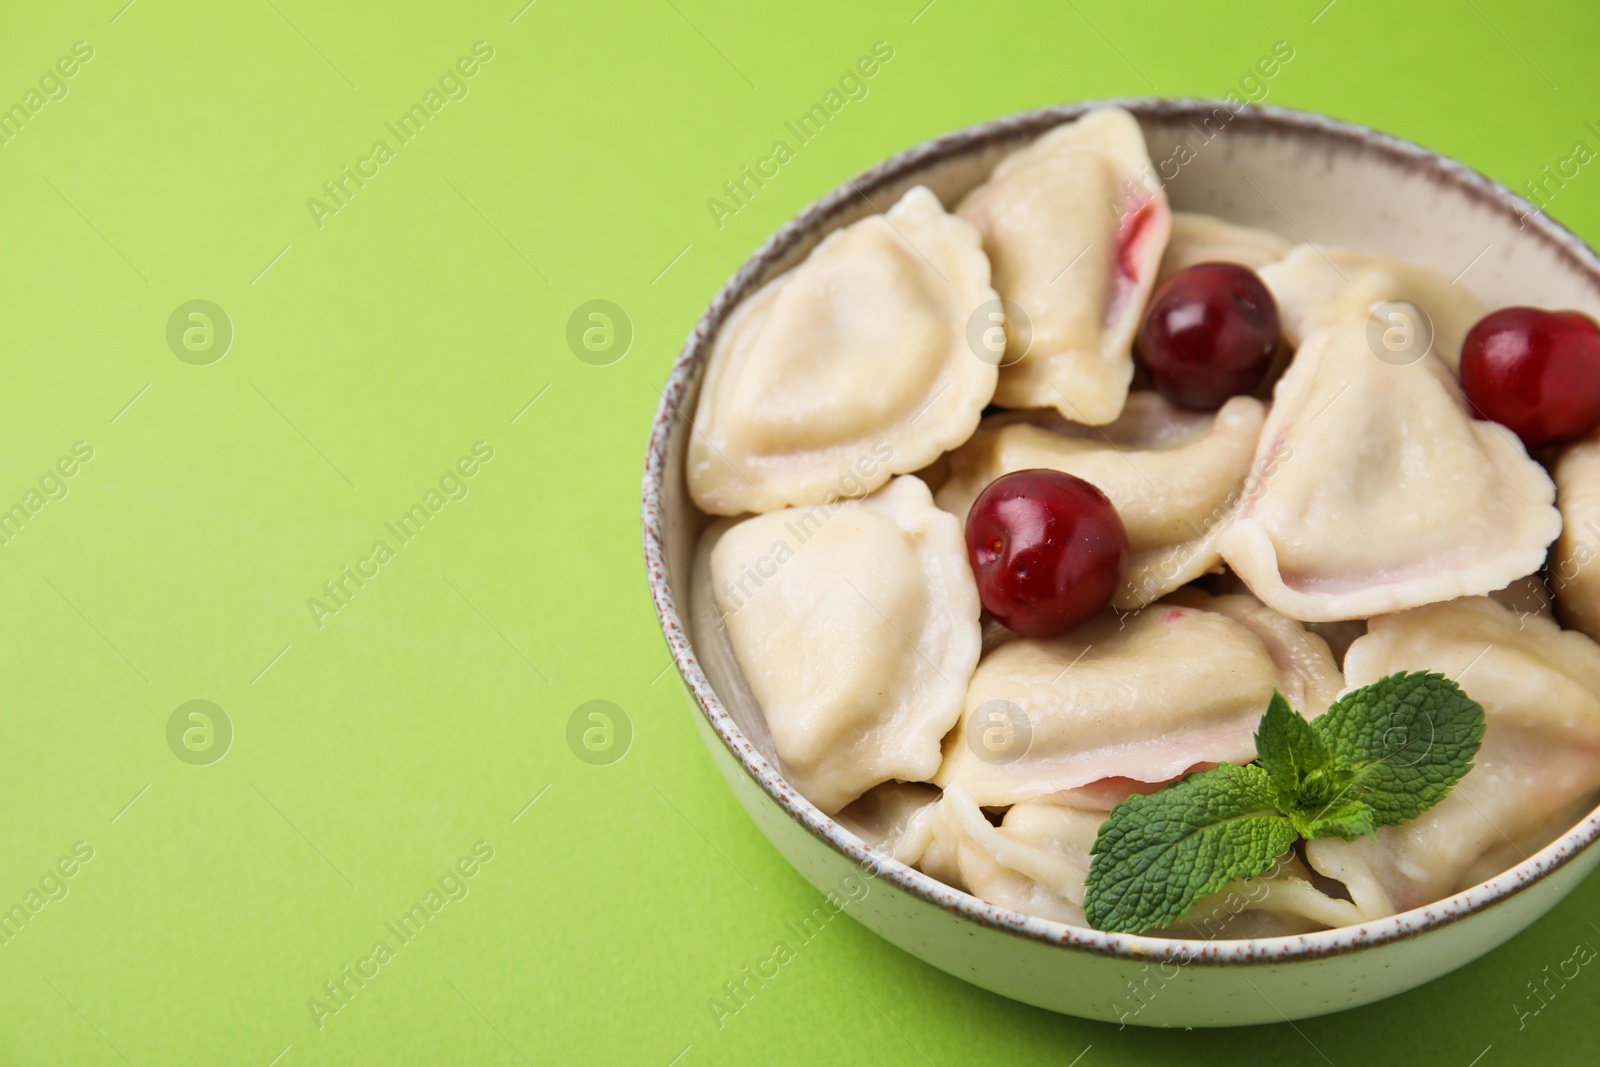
(1208, 333)
(1048, 550)
(1536, 371)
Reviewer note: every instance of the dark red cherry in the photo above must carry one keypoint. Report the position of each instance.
(1048, 551)
(1208, 333)
(1536, 371)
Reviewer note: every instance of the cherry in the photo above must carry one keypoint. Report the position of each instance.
(1536, 371)
(1209, 333)
(1048, 551)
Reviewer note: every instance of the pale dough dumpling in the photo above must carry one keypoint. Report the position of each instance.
(1207, 239)
(848, 369)
(1089, 716)
(1316, 286)
(1537, 771)
(1173, 476)
(1386, 493)
(894, 819)
(1034, 862)
(1037, 859)
(1075, 229)
(1281, 903)
(1575, 564)
(854, 626)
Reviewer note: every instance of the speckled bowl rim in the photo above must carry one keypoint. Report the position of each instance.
(823, 215)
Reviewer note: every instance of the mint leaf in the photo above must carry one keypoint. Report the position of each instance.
(1400, 744)
(1158, 854)
(1348, 819)
(1287, 748)
(1310, 787)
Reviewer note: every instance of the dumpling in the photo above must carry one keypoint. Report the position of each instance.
(1208, 239)
(1317, 286)
(1075, 229)
(1037, 859)
(1308, 676)
(1034, 862)
(1123, 700)
(1283, 902)
(1385, 494)
(848, 369)
(1537, 771)
(1340, 635)
(854, 626)
(1574, 574)
(895, 819)
(1173, 476)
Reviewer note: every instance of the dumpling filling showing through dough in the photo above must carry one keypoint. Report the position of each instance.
(1075, 232)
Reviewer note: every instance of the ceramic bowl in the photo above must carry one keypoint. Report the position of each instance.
(1309, 178)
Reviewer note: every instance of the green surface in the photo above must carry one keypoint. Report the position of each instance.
(374, 746)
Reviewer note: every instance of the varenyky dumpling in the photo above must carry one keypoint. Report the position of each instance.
(894, 819)
(1316, 286)
(1207, 239)
(1034, 862)
(854, 626)
(1386, 494)
(1173, 476)
(1075, 231)
(848, 369)
(1536, 772)
(1125, 701)
(1575, 564)
(1280, 903)
(1037, 859)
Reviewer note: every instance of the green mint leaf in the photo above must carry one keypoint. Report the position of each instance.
(1309, 788)
(1288, 749)
(1156, 855)
(1349, 819)
(1400, 744)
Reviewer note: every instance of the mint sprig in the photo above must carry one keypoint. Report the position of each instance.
(1380, 756)
(1405, 741)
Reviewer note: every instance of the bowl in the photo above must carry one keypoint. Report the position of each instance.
(1308, 178)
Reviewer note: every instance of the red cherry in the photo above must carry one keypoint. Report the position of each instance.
(1208, 334)
(1048, 551)
(1536, 371)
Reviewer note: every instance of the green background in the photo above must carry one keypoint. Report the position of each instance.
(370, 753)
